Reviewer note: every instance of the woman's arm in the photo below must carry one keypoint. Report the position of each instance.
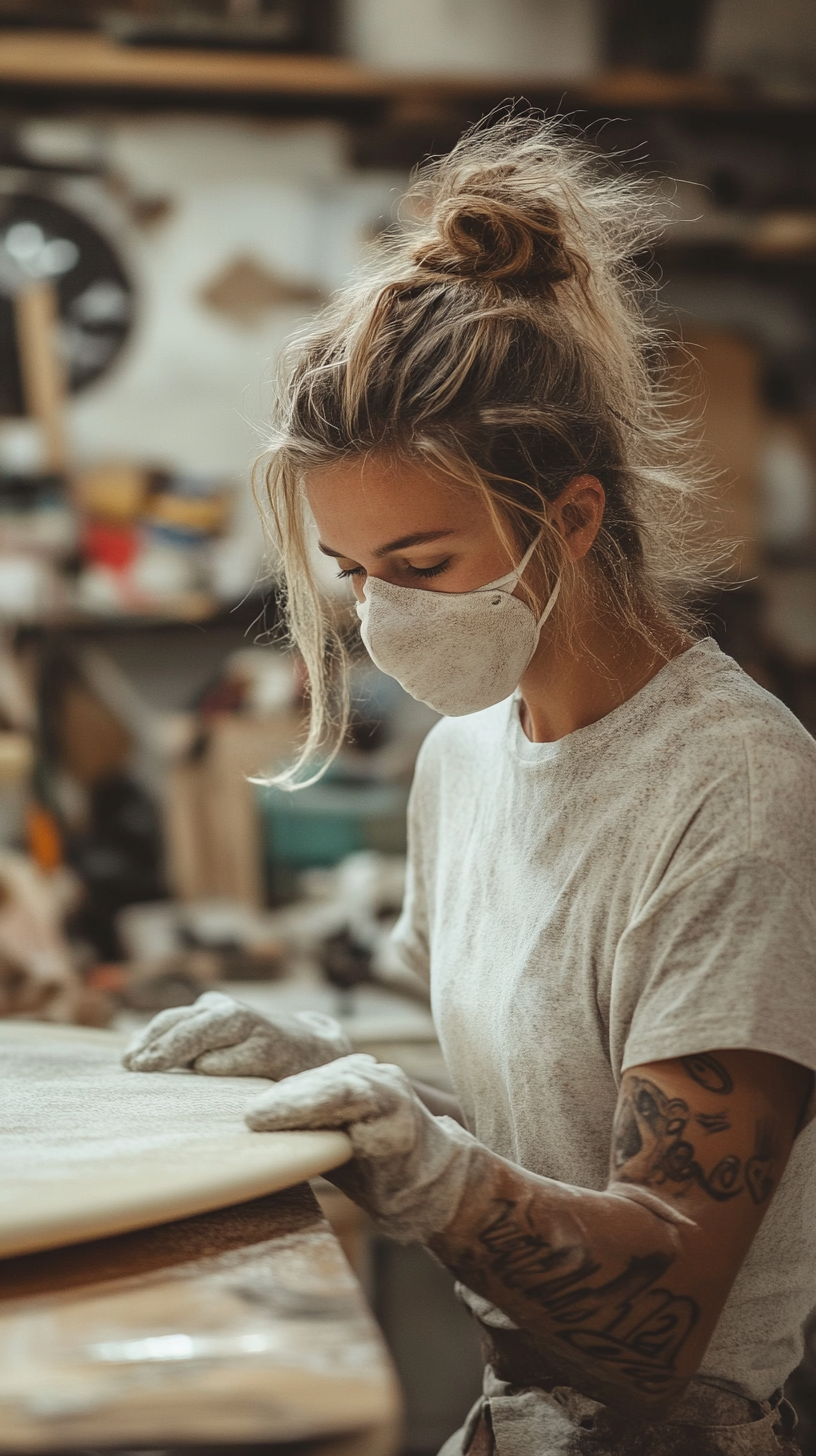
(620, 1291)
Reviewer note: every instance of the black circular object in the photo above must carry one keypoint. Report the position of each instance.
(40, 238)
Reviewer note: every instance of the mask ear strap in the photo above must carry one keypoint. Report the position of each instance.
(525, 560)
(511, 579)
(553, 598)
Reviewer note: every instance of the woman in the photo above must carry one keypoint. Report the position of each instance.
(612, 830)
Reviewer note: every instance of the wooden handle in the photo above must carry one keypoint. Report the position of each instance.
(41, 369)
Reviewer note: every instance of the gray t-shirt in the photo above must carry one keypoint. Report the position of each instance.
(642, 889)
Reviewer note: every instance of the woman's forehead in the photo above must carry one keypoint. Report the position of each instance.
(375, 502)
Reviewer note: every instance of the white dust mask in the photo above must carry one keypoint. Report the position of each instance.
(458, 652)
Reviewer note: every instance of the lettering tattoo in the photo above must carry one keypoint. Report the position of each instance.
(631, 1321)
(651, 1146)
(758, 1168)
(708, 1073)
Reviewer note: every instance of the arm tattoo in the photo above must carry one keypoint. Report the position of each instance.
(630, 1321)
(708, 1073)
(650, 1127)
(650, 1131)
(758, 1168)
(712, 1121)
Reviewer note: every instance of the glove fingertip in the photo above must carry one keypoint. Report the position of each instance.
(214, 1064)
(148, 1062)
(131, 1061)
(258, 1121)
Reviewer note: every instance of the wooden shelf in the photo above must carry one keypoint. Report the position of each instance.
(67, 60)
(239, 615)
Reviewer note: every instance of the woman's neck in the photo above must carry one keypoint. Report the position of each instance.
(569, 686)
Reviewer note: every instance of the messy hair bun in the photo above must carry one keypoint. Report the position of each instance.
(502, 335)
(494, 239)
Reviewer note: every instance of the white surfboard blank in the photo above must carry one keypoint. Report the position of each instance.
(88, 1149)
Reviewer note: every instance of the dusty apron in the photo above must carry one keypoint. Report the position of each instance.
(518, 1416)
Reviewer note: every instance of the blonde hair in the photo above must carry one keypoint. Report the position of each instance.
(501, 335)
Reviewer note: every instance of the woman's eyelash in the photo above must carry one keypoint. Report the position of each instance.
(424, 571)
(427, 571)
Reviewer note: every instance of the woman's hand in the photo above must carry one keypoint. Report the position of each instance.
(223, 1038)
(410, 1168)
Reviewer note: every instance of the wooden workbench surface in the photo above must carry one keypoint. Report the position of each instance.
(244, 1325)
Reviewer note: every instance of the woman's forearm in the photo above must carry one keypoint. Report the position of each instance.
(596, 1281)
(621, 1290)
(617, 1291)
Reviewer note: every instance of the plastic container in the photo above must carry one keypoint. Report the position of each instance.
(322, 824)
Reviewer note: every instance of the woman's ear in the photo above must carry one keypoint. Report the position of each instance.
(577, 514)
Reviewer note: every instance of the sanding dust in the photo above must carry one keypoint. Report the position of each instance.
(64, 1104)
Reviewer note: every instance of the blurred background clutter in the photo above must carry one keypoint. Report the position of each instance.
(180, 185)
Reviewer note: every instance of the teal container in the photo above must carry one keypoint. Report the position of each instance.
(321, 825)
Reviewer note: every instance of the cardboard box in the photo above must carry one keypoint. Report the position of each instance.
(212, 830)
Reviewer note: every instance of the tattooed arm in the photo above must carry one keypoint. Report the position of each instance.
(620, 1291)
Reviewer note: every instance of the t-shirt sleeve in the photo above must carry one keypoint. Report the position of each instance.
(726, 958)
(409, 940)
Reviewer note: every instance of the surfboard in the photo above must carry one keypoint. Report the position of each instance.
(88, 1149)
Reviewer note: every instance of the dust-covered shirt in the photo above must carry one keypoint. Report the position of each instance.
(644, 888)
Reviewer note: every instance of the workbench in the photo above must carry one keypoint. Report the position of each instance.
(156, 1291)
(243, 1326)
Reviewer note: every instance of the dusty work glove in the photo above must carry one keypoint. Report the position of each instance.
(223, 1038)
(410, 1168)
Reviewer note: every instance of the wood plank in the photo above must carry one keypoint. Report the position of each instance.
(36, 311)
(633, 88)
(69, 59)
(64, 58)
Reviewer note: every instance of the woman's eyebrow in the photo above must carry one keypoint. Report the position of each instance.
(418, 538)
